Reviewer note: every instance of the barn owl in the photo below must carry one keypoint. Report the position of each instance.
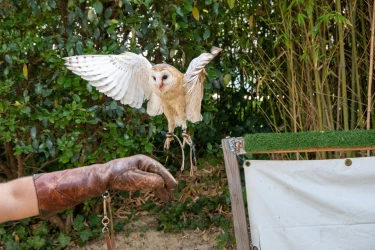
(131, 78)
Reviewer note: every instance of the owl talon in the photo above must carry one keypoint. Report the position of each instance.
(168, 140)
(187, 139)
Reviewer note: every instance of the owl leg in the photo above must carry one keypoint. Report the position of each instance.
(186, 137)
(189, 141)
(169, 135)
(168, 140)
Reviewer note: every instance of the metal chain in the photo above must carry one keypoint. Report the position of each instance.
(108, 233)
(105, 220)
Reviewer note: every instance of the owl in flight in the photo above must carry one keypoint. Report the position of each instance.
(131, 78)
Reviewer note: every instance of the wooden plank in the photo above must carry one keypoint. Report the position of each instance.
(310, 150)
(235, 189)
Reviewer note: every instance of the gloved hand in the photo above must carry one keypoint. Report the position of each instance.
(59, 190)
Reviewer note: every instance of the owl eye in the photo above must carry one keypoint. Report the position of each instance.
(165, 77)
(154, 78)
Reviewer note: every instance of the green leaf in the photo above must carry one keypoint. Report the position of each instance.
(178, 10)
(113, 105)
(188, 6)
(149, 147)
(49, 144)
(91, 15)
(52, 151)
(74, 158)
(94, 220)
(172, 53)
(97, 33)
(183, 25)
(128, 143)
(76, 98)
(70, 17)
(38, 89)
(41, 230)
(33, 132)
(164, 50)
(111, 28)
(6, 71)
(8, 58)
(98, 6)
(216, 8)
(207, 117)
(108, 13)
(231, 3)
(120, 124)
(227, 79)
(36, 242)
(164, 39)
(301, 19)
(89, 87)
(69, 44)
(64, 159)
(79, 48)
(129, 8)
(206, 34)
(78, 222)
(155, 23)
(64, 240)
(85, 235)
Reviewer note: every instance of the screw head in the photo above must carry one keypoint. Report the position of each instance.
(348, 162)
(247, 163)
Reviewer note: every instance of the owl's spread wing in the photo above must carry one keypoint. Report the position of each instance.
(193, 84)
(123, 77)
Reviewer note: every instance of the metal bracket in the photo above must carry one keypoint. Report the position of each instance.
(237, 144)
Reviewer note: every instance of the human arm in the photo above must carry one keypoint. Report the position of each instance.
(18, 199)
(56, 191)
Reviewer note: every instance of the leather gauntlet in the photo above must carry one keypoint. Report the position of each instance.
(59, 190)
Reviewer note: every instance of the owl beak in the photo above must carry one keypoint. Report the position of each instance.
(161, 85)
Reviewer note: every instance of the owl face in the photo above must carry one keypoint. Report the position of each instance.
(161, 79)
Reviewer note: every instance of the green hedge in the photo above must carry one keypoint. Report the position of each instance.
(262, 142)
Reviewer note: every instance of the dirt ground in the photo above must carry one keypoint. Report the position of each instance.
(144, 236)
(141, 234)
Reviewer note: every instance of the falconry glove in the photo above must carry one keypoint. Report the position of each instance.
(60, 190)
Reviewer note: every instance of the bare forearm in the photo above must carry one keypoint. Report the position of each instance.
(19, 199)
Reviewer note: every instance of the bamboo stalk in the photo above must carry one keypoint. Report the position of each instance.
(342, 69)
(370, 74)
(354, 66)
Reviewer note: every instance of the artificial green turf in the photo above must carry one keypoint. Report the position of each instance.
(304, 140)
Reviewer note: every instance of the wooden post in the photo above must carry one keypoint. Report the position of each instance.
(236, 198)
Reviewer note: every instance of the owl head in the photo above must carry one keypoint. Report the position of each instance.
(164, 77)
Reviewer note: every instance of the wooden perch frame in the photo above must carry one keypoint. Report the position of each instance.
(268, 143)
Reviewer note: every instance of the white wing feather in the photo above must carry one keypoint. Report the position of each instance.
(193, 84)
(123, 77)
(154, 105)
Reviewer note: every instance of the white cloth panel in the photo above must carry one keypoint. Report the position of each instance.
(312, 205)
